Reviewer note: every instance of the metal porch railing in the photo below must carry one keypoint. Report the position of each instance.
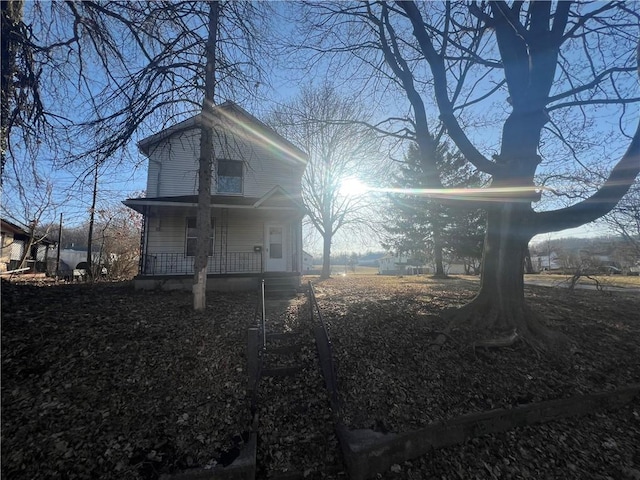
(179, 264)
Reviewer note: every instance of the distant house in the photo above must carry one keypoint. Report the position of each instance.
(73, 259)
(256, 204)
(15, 239)
(400, 265)
(388, 265)
(456, 268)
(546, 263)
(370, 259)
(307, 261)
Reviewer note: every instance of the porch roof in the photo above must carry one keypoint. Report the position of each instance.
(273, 200)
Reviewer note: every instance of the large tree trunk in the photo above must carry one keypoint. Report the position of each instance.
(203, 220)
(326, 257)
(499, 309)
(499, 304)
(11, 17)
(437, 251)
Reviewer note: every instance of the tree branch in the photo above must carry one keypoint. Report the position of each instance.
(445, 106)
(600, 203)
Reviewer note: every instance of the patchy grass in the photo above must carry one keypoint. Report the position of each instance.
(619, 281)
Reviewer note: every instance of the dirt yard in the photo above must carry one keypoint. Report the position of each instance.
(105, 382)
(391, 379)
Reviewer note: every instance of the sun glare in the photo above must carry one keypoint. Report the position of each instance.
(352, 187)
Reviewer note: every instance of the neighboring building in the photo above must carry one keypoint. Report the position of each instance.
(256, 204)
(546, 263)
(388, 265)
(456, 268)
(400, 265)
(73, 259)
(14, 240)
(307, 261)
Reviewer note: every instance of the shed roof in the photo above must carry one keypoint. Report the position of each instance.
(9, 227)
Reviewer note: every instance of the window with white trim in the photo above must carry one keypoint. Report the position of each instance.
(191, 236)
(229, 176)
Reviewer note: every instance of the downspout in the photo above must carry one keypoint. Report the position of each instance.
(159, 175)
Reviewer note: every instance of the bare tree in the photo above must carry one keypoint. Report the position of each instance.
(119, 239)
(203, 222)
(541, 69)
(341, 150)
(625, 218)
(133, 67)
(34, 202)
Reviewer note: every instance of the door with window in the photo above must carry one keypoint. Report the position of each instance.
(276, 259)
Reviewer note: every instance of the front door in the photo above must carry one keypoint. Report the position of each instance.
(275, 248)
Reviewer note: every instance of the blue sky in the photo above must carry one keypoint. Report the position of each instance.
(119, 181)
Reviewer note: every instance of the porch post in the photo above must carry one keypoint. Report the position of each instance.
(143, 241)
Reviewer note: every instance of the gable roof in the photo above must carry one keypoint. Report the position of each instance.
(277, 197)
(251, 128)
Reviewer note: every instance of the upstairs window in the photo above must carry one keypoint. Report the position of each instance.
(229, 176)
(192, 235)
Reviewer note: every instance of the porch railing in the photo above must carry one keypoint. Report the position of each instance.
(179, 264)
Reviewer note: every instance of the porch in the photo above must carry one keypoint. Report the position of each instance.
(218, 264)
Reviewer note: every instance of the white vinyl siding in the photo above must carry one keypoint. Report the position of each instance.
(17, 250)
(244, 233)
(173, 167)
(262, 176)
(191, 236)
(168, 236)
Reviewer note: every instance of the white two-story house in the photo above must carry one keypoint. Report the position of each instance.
(256, 204)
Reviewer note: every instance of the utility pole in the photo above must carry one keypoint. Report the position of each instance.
(92, 214)
(59, 242)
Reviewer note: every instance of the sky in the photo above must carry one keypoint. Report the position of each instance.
(117, 182)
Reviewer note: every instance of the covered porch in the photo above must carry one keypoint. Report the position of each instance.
(250, 239)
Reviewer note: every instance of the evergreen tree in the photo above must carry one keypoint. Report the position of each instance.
(417, 213)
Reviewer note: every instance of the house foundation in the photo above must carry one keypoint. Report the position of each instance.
(277, 281)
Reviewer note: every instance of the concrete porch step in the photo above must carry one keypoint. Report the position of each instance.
(278, 287)
(285, 349)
